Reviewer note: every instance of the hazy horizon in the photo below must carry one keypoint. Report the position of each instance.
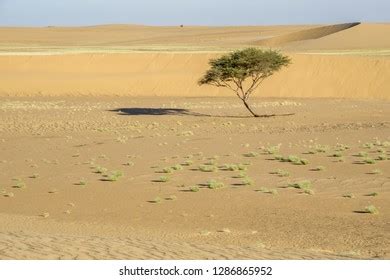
(200, 12)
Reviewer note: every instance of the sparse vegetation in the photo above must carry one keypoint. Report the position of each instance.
(241, 167)
(167, 170)
(19, 184)
(282, 173)
(177, 167)
(373, 194)
(271, 150)
(247, 181)
(308, 191)
(213, 184)
(371, 209)
(348, 195)
(362, 154)
(369, 161)
(194, 189)
(241, 174)
(337, 155)
(208, 168)
(368, 145)
(156, 200)
(294, 160)
(382, 157)
(251, 154)
(164, 179)
(82, 182)
(319, 168)
(113, 176)
(9, 194)
(303, 185)
(187, 163)
(321, 148)
(100, 170)
(230, 167)
(171, 197)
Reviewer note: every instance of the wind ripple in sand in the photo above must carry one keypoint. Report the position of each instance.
(32, 246)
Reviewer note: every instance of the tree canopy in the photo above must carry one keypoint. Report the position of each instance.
(244, 70)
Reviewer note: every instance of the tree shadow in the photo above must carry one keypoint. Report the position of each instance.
(360, 212)
(180, 112)
(154, 112)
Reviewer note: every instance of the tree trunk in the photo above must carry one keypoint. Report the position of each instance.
(249, 109)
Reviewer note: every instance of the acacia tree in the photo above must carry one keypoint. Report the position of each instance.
(243, 71)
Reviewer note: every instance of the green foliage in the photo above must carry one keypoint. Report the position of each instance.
(156, 200)
(246, 181)
(163, 179)
(251, 64)
(303, 185)
(251, 154)
(293, 159)
(167, 170)
(19, 184)
(177, 167)
(237, 66)
(371, 209)
(208, 168)
(281, 173)
(230, 167)
(213, 184)
(369, 161)
(113, 176)
(194, 189)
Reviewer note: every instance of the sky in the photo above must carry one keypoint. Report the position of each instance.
(190, 12)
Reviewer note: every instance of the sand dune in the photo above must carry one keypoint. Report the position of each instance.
(133, 60)
(176, 74)
(363, 36)
(307, 34)
(130, 35)
(294, 38)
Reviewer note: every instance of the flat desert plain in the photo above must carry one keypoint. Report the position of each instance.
(110, 150)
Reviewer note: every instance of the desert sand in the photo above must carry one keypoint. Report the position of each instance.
(342, 61)
(110, 150)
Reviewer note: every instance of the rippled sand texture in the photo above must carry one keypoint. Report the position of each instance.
(59, 200)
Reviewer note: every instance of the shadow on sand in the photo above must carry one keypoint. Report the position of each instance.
(179, 112)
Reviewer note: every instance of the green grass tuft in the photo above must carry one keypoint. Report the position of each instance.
(348, 195)
(303, 185)
(213, 184)
(208, 168)
(371, 209)
(251, 154)
(194, 189)
(164, 179)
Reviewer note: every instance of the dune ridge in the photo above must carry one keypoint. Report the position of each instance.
(307, 34)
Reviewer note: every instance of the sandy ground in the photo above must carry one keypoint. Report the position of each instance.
(176, 74)
(300, 37)
(110, 150)
(338, 61)
(61, 198)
